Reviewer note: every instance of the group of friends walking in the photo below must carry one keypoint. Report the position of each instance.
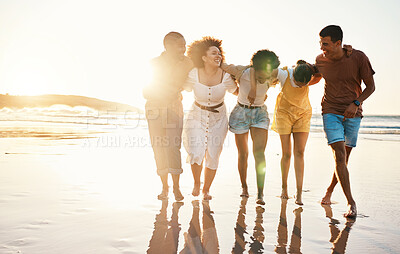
(204, 72)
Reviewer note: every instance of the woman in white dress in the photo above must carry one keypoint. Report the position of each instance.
(206, 125)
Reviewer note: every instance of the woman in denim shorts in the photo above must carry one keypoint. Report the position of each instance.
(250, 114)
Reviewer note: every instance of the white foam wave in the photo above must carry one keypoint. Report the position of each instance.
(54, 110)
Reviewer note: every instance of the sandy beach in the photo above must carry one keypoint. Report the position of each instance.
(84, 190)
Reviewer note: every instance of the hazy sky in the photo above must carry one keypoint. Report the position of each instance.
(102, 48)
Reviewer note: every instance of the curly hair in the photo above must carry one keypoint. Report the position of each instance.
(263, 59)
(199, 48)
(303, 72)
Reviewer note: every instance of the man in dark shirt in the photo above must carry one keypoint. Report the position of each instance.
(342, 104)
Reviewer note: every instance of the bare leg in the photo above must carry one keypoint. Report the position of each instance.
(164, 193)
(282, 229)
(295, 241)
(196, 171)
(209, 175)
(285, 163)
(260, 138)
(173, 129)
(177, 192)
(339, 245)
(326, 200)
(342, 174)
(243, 153)
(300, 141)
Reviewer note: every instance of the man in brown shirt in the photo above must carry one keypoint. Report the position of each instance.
(342, 104)
(164, 112)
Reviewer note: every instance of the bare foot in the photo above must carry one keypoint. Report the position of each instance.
(206, 196)
(245, 193)
(178, 195)
(260, 199)
(163, 195)
(284, 194)
(196, 190)
(298, 199)
(326, 200)
(297, 211)
(196, 204)
(177, 205)
(351, 211)
(328, 210)
(329, 214)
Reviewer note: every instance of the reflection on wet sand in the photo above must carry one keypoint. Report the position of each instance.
(257, 239)
(295, 241)
(240, 229)
(201, 241)
(202, 238)
(166, 233)
(338, 238)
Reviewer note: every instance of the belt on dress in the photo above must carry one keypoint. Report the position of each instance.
(211, 109)
(250, 107)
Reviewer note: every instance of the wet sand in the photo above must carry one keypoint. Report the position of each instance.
(99, 195)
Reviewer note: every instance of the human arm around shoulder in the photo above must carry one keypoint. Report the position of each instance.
(348, 49)
(230, 84)
(315, 79)
(235, 70)
(274, 77)
(253, 86)
(191, 79)
(182, 73)
(317, 76)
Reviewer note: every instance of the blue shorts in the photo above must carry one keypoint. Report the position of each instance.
(242, 119)
(338, 130)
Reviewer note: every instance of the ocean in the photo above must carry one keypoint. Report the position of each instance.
(83, 121)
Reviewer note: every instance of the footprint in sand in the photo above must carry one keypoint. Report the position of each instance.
(123, 245)
(78, 211)
(22, 242)
(70, 201)
(360, 215)
(20, 194)
(36, 225)
(8, 250)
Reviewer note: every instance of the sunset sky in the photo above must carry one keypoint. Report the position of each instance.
(102, 49)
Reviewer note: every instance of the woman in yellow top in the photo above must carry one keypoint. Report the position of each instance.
(292, 116)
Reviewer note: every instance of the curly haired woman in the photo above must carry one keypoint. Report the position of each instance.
(206, 125)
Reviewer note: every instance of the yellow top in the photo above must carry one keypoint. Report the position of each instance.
(291, 100)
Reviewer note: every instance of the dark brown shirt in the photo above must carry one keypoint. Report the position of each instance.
(169, 76)
(343, 81)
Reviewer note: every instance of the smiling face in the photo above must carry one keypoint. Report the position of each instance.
(262, 75)
(213, 57)
(330, 49)
(176, 47)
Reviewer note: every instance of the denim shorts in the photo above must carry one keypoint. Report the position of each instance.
(242, 119)
(338, 130)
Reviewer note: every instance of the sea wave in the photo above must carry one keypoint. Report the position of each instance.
(81, 115)
(61, 111)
